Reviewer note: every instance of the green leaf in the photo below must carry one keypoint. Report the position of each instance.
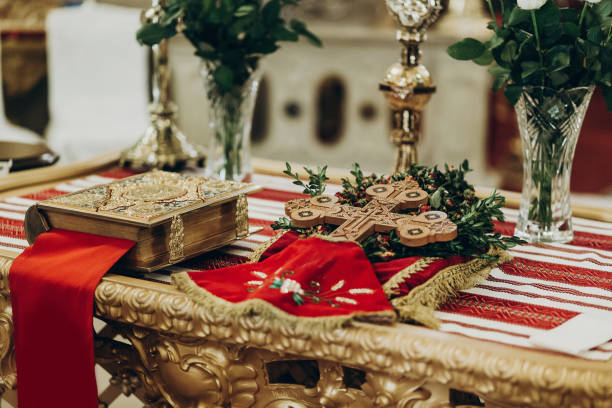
(244, 10)
(571, 29)
(228, 4)
(485, 59)
(569, 15)
(590, 50)
(548, 16)
(603, 9)
(494, 42)
(466, 49)
(518, 16)
(298, 299)
(500, 76)
(435, 200)
(276, 284)
(606, 59)
(558, 78)
(301, 29)
(607, 94)
(509, 51)
(271, 12)
(281, 33)
(513, 93)
(529, 68)
(558, 58)
(171, 14)
(152, 33)
(595, 35)
(224, 78)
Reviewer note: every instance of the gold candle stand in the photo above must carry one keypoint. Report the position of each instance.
(408, 85)
(163, 145)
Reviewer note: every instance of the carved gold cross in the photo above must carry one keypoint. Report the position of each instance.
(379, 215)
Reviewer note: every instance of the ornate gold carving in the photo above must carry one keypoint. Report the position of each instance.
(194, 372)
(149, 196)
(331, 390)
(176, 240)
(242, 217)
(415, 15)
(385, 391)
(8, 368)
(401, 351)
(127, 372)
(228, 355)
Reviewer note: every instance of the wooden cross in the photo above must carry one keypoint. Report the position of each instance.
(378, 215)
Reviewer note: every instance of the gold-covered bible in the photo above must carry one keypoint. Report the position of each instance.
(171, 216)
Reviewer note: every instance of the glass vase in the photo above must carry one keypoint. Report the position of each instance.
(231, 117)
(549, 122)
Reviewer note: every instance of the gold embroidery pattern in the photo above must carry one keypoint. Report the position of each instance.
(176, 239)
(154, 194)
(338, 286)
(242, 217)
(391, 287)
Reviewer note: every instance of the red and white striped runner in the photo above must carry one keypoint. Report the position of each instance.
(544, 286)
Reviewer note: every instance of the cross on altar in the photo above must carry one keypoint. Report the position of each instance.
(379, 215)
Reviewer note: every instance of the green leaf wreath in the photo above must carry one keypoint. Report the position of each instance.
(448, 191)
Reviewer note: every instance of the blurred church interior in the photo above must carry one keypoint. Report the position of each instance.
(74, 75)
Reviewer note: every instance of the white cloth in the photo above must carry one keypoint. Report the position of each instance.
(577, 335)
(98, 80)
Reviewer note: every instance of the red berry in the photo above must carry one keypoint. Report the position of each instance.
(450, 202)
(425, 208)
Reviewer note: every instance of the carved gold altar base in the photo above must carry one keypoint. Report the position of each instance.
(182, 355)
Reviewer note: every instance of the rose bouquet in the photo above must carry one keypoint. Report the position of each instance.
(549, 60)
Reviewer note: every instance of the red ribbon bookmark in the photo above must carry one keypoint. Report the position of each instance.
(52, 292)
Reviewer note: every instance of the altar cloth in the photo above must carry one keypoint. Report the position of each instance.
(540, 289)
(295, 287)
(52, 289)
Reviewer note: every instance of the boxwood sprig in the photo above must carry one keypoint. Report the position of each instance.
(448, 191)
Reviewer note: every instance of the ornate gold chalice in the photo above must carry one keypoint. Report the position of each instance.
(163, 145)
(408, 85)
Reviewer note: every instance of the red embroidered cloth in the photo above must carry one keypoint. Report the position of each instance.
(298, 284)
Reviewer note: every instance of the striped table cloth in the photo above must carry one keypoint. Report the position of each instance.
(541, 288)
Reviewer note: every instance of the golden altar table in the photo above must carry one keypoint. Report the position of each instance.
(180, 354)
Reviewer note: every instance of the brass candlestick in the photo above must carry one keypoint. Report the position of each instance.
(408, 85)
(163, 145)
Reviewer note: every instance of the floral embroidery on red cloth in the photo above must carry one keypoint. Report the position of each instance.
(339, 281)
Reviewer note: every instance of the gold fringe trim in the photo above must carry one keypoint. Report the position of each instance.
(260, 250)
(5, 267)
(419, 305)
(258, 307)
(392, 285)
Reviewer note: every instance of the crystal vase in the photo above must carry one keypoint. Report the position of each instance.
(231, 117)
(549, 122)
